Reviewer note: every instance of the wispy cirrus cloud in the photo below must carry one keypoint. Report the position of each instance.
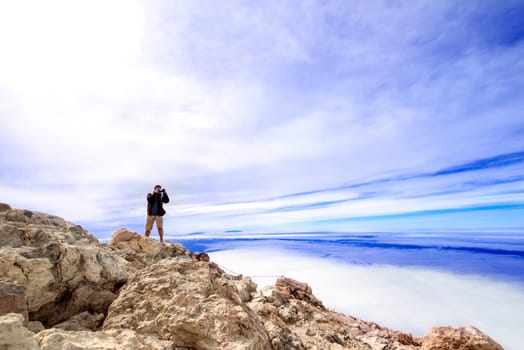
(260, 116)
(471, 189)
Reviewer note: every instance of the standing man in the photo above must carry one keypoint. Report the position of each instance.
(155, 211)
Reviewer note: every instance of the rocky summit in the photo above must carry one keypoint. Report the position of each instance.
(60, 288)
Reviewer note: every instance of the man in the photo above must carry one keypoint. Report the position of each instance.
(155, 211)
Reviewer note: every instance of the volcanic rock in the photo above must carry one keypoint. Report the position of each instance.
(297, 320)
(292, 289)
(35, 326)
(462, 338)
(162, 296)
(12, 299)
(84, 321)
(4, 207)
(201, 256)
(143, 251)
(63, 269)
(115, 339)
(189, 302)
(13, 334)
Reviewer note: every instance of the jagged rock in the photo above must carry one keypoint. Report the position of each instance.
(35, 274)
(116, 339)
(162, 296)
(122, 237)
(12, 299)
(82, 322)
(201, 256)
(13, 334)
(37, 218)
(462, 338)
(244, 285)
(63, 268)
(143, 251)
(4, 207)
(296, 320)
(189, 302)
(291, 288)
(35, 326)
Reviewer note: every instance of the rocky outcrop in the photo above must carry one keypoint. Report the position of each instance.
(292, 289)
(4, 207)
(462, 338)
(137, 293)
(84, 321)
(12, 299)
(63, 269)
(13, 334)
(115, 339)
(296, 319)
(143, 251)
(191, 303)
(35, 326)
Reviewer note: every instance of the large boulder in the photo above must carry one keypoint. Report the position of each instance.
(4, 207)
(295, 320)
(143, 251)
(191, 303)
(116, 339)
(462, 338)
(293, 289)
(13, 334)
(84, 321)
(12, 299)
(62, 268)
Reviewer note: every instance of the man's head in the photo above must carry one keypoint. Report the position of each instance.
(157, 188)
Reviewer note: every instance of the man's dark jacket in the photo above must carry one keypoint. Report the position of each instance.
(160, 198)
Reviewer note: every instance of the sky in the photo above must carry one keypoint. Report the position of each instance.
(274, 116)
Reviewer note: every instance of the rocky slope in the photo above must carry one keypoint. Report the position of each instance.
(62, 289)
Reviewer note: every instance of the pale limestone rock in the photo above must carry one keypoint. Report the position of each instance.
(82, 322)
(150, 245)
(244, 285)
(295, 319)
(13, 334)
(12, 299)
(184, 303)
(127, 240)
(63, 269)
(294, 289)
(34, 274)
(124, 239)
(35, 326)
(462, 338)
(58, 339)
(190, 303)
(122, 235)
(36, 218)
(143, 251)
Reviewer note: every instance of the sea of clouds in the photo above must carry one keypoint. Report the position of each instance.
(410, 299)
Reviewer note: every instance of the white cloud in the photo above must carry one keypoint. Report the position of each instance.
(65, 48)
(404, 298)
(234, 102)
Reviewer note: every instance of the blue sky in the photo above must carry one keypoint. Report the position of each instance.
(278, 116)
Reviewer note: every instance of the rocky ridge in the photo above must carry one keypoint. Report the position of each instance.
(61, 288)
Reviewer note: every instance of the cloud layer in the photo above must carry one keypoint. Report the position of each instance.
(405, 298)
(264, 117)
